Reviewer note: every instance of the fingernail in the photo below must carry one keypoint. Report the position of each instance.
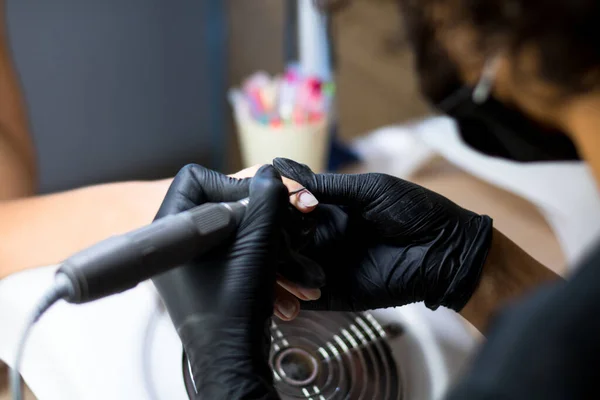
(287, 308)
(311, 294)
(307, 199)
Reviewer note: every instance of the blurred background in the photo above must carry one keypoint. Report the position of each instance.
(375, 81)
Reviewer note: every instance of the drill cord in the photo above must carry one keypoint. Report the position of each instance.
(62, 288)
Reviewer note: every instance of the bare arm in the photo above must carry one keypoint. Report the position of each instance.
(46, 229)
(17, 159)
(509, 272)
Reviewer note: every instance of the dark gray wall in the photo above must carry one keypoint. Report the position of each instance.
(121, 89)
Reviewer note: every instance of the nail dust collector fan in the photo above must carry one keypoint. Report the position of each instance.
(372, 355)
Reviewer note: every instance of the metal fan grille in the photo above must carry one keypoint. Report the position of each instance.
(330, 355)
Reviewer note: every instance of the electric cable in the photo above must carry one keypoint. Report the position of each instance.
(62, 288)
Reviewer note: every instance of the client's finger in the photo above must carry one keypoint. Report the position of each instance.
(298, 291)
(300, 197)
(287, 306)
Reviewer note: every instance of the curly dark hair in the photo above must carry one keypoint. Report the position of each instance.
(564, 33)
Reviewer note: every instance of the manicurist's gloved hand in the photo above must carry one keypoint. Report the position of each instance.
(222, 302)
(383, 242)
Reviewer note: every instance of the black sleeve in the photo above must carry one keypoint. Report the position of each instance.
(546, 346)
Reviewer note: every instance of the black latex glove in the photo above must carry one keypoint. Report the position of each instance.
(221, 303)
(383, 242)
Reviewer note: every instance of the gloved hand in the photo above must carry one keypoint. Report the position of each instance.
(383, 242)
(221, 303)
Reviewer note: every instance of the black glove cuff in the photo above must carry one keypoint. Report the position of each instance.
(466, 279)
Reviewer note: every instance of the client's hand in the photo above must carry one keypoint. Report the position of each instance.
(383, 241)
(222, 303)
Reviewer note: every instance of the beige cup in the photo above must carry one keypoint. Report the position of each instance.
(260, 144)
